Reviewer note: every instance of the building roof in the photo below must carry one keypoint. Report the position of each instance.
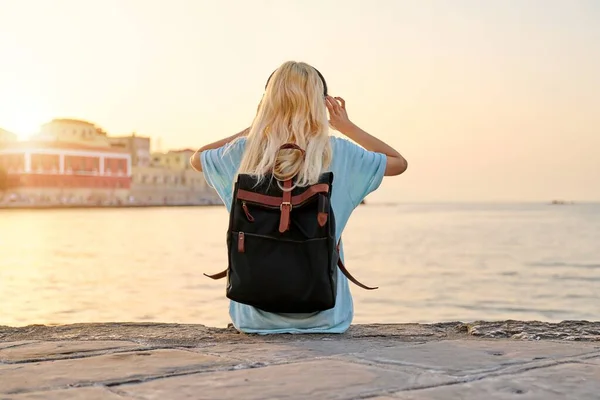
(71, 121)
(132, 136)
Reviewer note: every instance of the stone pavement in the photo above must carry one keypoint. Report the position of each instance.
(503, 360)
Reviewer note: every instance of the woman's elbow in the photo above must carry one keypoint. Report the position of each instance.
(396, 166)
(195, 162)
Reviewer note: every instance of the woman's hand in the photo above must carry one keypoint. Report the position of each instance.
(395, 164)
(338, 117)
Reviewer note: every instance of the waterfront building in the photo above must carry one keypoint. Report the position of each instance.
(69, 162)
(74, 162)
(137, 146)
(170, 179)
(173, 159)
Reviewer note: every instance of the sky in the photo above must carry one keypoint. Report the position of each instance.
(487, 100)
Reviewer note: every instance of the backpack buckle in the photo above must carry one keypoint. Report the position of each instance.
(285, 203)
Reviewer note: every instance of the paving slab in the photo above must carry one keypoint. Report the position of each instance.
(559, 382)
(5, 345)
(460, 357)
(383, 398)
(104, 369)
(299, 349)
(60, 349)
(320, 379)
(593, 360)
(90, 393)
(259, 353)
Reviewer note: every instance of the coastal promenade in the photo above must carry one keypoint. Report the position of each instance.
(481, 360)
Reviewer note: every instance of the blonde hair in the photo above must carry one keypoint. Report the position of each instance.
(292, 110)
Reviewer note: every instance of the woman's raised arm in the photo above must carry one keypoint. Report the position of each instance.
(195, 158)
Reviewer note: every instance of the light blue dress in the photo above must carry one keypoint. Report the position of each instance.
(356, 173)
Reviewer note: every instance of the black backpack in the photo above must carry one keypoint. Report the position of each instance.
(281, 245)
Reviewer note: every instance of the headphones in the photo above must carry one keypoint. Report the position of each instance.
(318, 73)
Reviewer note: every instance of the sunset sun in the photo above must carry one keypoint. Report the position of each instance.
(25, 128)
(22, 112)
(24, 124)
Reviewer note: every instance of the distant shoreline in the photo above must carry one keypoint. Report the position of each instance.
(87, 206)
(111, 206)
(219, 204)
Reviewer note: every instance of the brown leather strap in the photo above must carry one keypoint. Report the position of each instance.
(286, 206)
(275, 201)
(217, 276)
(351, 278)
(340, 265)
(347, 274)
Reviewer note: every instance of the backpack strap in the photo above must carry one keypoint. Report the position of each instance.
(219, 275)
(286, 204)
(352, 279)
(286, 207)
(293, 146)
(340, 265)
(347, 274)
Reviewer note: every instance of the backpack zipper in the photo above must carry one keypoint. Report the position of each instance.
(241, 244)
(247, 212)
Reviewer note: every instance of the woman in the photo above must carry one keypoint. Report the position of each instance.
(294, 110)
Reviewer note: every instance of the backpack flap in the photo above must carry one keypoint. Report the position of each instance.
(266, 208)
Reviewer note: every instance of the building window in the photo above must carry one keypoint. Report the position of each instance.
(88, 164)
(45, 162)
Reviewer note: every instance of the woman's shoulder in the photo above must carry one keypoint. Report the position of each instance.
(232, 152)
(223, 160)
(238, 145)
(334, 140)
(343, 148)
(339, 144)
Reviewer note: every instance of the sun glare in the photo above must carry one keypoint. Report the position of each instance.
(24, 126)
(23, 113)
